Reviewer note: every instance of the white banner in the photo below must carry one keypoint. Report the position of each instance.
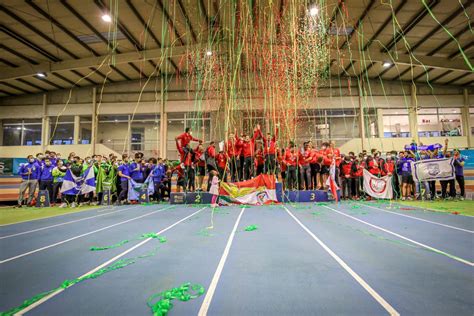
(379, 188)
(433, 169)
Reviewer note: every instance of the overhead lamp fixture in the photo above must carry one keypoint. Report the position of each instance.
(106, 18)
(387, 64)
(313, 11)
(41, 75)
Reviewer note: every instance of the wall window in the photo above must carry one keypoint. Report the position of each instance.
(450, 119)
(145, 134)
(176, 126)
(318, 125)
(370, 122)
(112, 131)
(21, 132)
(439, 122)
(61, 130)
(395, 123)
(85, 130)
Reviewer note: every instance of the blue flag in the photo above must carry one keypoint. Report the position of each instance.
(73, 185)
(134, 188)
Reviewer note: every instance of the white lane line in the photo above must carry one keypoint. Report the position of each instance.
(105, 264)
(61, 224)
(59, 215)
(419, 219)
(346, 267)
(405, 238)
(215, 279)
(80, 236)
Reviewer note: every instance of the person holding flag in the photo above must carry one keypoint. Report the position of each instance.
(77, 182)
(331, 181)
(106, 177)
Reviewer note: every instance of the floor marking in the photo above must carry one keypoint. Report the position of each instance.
(58, 215)
(65, 223)
(405, 238)
(48, 297)
(346, 267)
(420, 219)
(80, 236)
(215, 279)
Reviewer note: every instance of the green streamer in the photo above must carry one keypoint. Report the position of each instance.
(68, 283)
(123, 242)
(183, 293)
(251, 228)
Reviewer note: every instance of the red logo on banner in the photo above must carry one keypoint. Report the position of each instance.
(378, 185)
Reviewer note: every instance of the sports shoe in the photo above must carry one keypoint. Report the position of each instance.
(73, 204)
(461, 198)
(63, 205)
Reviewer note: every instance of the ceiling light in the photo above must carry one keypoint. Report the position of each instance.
(209, 53)
(313, 11)
(41, 74)
(387, 64)
(106, 18)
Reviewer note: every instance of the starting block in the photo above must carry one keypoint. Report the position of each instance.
(190, 198)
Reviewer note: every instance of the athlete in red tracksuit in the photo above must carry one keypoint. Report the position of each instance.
(346, 177)
(248, 151)
(305, 156)
(187, 158)
(200, 161)
(259, 161)
(315, 166)
(269, 145)
(283, 166)
(232, 149)
(291, 160)
(221, 161)
(185, 138)
(357, 176)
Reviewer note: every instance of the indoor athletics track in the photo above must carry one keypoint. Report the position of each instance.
(318, 259)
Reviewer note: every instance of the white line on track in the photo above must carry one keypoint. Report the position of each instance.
(215, 279)
(61, 224)
(80, 236)
(101, 209)
(105, 264)
(346, 267)
(419, 219)
(405, 238)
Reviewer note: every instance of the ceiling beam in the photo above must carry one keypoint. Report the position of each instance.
(6, 84)
(358, 24)
(381, 28)
(125, 32)
(97, 33)
(457, 78)
(178, 51)
(48, 39)
(438, 27)
(445, 22)
(188, 21)
(73, 64)
(410, 25)
(147, 29)
(74, 38)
